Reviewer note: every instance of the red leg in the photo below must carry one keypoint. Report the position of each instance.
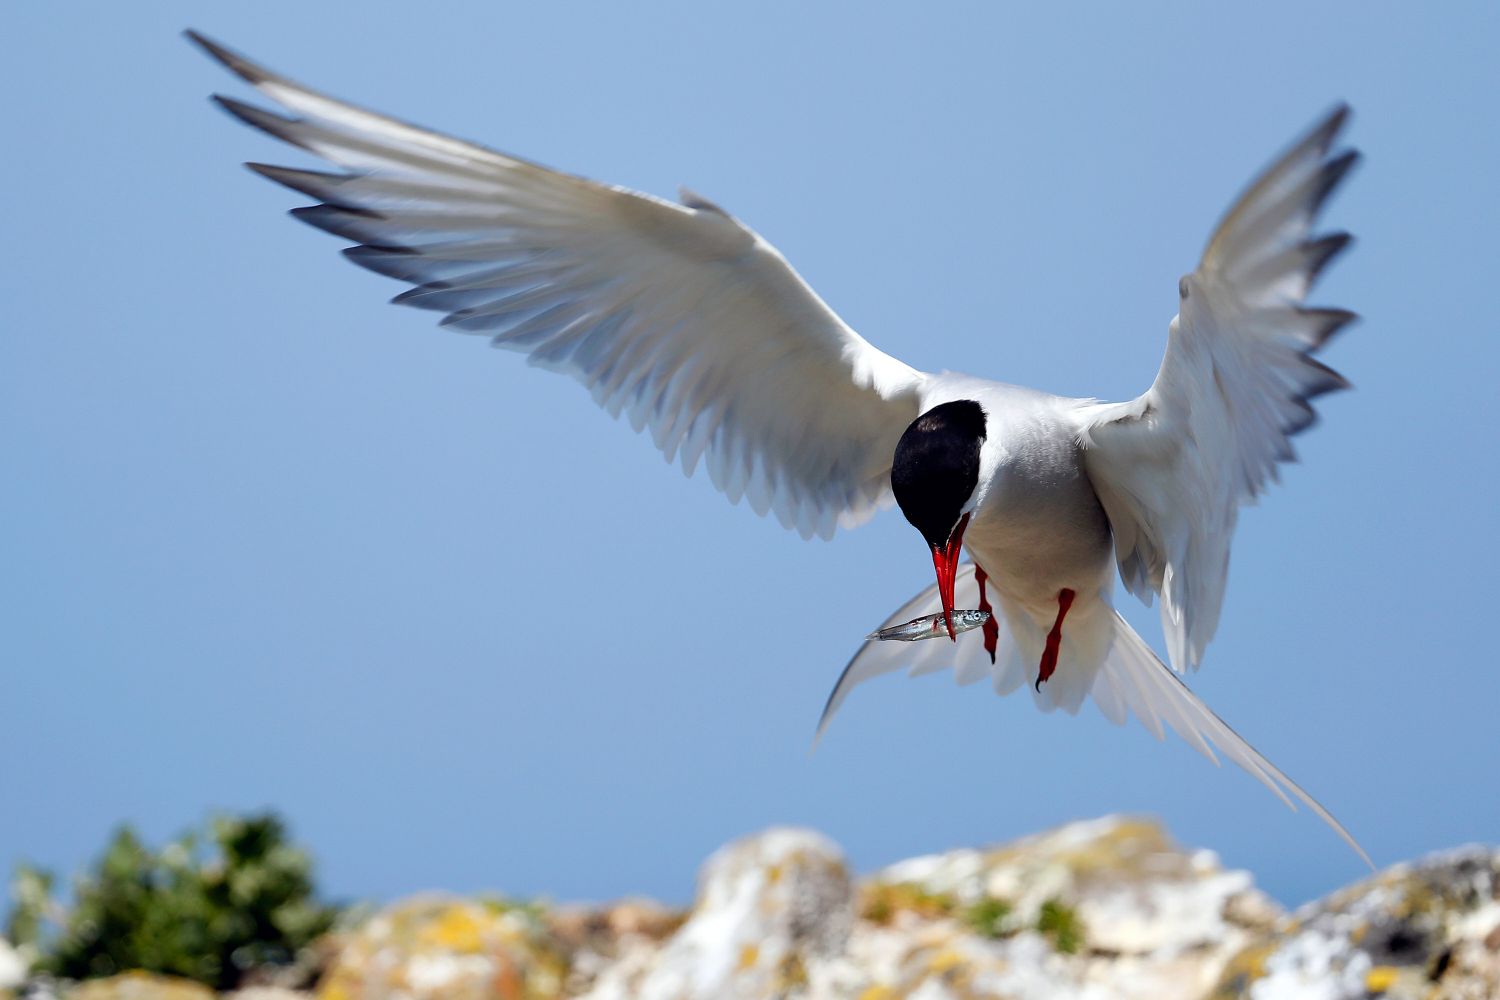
(1054, 638)
(991, 627)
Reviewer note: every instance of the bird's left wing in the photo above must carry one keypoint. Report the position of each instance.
(1173, 466)
(677, 314)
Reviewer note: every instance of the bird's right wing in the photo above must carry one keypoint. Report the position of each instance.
(677, 314)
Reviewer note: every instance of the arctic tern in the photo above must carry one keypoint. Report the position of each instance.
(682, 317)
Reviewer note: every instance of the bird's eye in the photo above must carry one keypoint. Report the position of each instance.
(1182, 288)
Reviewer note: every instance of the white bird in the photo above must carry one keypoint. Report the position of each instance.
(686, 319)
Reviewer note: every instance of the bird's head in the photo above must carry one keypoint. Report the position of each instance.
(935, 475)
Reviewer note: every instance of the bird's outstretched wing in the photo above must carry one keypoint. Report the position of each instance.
(1173, 466)
(677, 314)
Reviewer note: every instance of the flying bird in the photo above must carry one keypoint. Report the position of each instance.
(682, 317)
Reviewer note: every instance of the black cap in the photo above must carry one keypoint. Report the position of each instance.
(936, 467)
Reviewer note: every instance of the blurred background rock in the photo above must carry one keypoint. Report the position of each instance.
(1109, 908)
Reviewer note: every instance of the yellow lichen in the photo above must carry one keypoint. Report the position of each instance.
(880, 901)
(1243, 969)
(1381, 978)
(456, 929)
(877, 993)
(1129, 846)
(792, 976)
(945, 960)
(748, 956)
(332, 989)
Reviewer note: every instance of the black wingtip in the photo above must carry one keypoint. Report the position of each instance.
(259, 118)
(285, 176)
(227, 57)
(1322, 251)
(1338, 117)
(313, 183)
(1327, 130)
(426, 288)
(426, 296)
(392, 261)
(199, 39)
(1333, 173)
(349, 223)
(1319, 139)
(1328, 380)
(1329, 322)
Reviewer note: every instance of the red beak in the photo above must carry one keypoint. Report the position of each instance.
(945, 561)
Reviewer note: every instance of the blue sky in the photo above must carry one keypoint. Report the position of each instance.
(270, 542)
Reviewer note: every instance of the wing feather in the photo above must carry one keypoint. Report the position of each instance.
(1173, 466)
(678, 316)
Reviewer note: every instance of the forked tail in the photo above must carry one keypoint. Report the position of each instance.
(1134, 679)
(1131, 679)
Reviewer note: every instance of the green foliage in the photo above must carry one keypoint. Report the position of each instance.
(1060, 922)
(32, 892)
(990, 916)
(987, 916)
(244, 902)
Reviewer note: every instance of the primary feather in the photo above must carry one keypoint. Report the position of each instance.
(1173, 466)
(678, 315)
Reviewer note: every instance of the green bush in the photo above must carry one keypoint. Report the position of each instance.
(1060, 922)
(210, 908)
(988, 916)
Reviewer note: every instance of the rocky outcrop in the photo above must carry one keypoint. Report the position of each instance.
(1104, 910)
(1423, 931)
(772, 911)
(446, 949)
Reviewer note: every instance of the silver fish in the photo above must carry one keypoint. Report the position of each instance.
(932, 626)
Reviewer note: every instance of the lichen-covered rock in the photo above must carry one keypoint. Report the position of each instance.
(594, 938)
(446, 949)
(770, 909)
(1103, 910)
(579, 927)
(1428, 930)
(139, 986)
(1106, 910)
